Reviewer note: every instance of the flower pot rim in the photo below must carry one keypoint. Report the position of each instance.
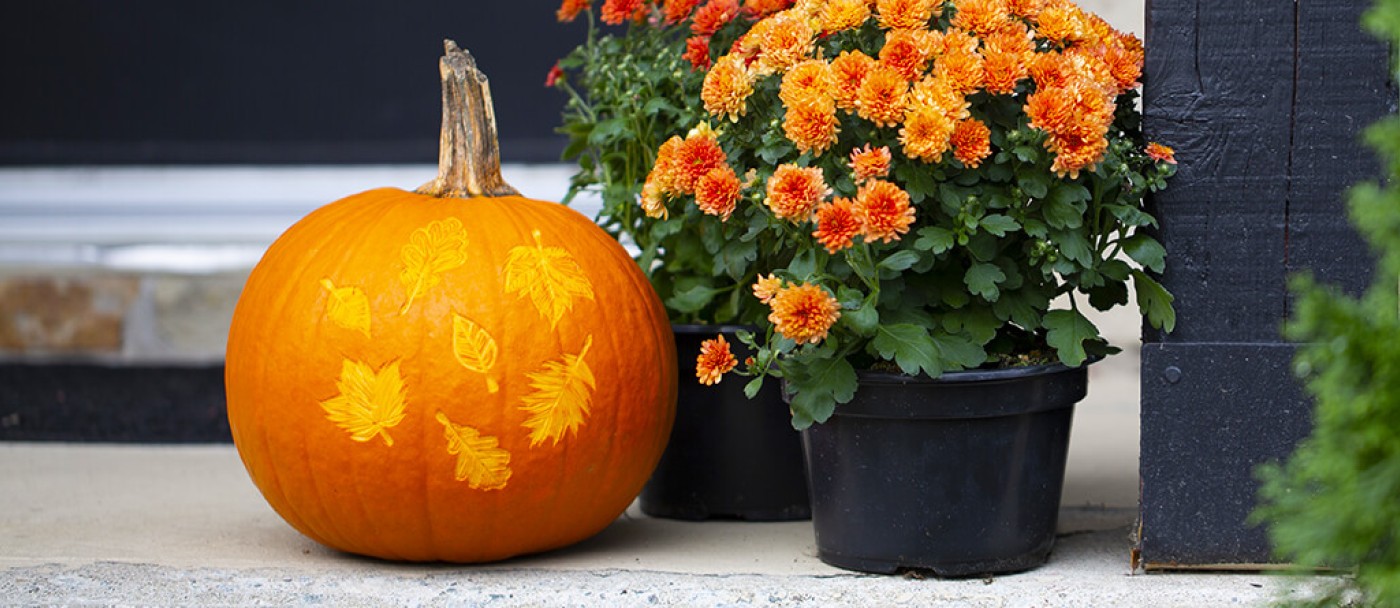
(1000, 374)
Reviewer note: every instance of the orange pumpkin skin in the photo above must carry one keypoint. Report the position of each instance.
(393, 487)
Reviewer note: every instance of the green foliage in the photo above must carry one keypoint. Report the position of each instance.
(630, 89)
(1336, 501)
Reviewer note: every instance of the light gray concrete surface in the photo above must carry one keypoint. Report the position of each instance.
(183, 525)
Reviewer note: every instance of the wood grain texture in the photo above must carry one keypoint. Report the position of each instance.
(1342, 87)
(1219, 89)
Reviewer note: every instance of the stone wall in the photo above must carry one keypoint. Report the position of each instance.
(103, 316)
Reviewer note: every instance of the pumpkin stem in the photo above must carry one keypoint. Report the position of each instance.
(469, 157)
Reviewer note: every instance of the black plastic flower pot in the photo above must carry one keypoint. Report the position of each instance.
(729, 457)
(960, 476)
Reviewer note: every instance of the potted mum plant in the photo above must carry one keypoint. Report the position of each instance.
(633, 88)
(946, 186)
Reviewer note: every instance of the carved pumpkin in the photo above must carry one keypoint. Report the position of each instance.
(457, 373)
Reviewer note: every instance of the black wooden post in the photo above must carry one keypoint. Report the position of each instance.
(1264, 101)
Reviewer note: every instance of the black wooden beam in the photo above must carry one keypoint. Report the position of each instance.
(1219, 89)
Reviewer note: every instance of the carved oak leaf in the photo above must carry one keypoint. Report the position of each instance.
(480, 460)
(431, 250)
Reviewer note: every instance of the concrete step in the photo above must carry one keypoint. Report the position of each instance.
(183, 525)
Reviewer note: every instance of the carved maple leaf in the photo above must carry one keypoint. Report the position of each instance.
(348, 307)
(549, 276)
(475, 348)
(480, 460)
(369, 402)
(561, 398)
(431, 250)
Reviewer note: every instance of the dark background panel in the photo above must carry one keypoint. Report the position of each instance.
(164, 81)
(134, 403)
(1219, 88)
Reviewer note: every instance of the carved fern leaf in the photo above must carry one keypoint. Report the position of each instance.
(369, 402)
(348, 307)
(475, 348)
(560, 401)
(431, 250)
(549, 276)
(480, 460)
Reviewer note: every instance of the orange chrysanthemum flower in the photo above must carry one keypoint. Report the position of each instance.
(841, 15)
(885, 211)
(837, 224)
(653, 201)
(927, 133)
(1006, 57)
(938, 92)
(714, 361)
(848, 71)
(870, 163)
(806, 81)
(955, 40)
(907, 52)
(963, 71)
(981, 17)
(697, 52)
(569, 9)
(811, 124)
(727, 88)
(804, 313)
(895, 14)
(676, 11)
(1050, 108)
(794, 192)
(616, 12)
(1096, 29)
(1076, 119)
(717, 192)
(1012, 37)
(695, 157)
(766, 287)
(1161, 153)
(714, 15)
(1074, 154)
(1124, 55)
(661, 180)
(972, 142)
(1001, 72)
(1029, 9)
(1062, 23)
(882, 96)
(786, 41)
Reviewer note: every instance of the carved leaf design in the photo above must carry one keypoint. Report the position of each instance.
(369, 402)
(348, 307)
(561, 398)
(549, 276)
(475, 348)
(431, 250)
(480, 460)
